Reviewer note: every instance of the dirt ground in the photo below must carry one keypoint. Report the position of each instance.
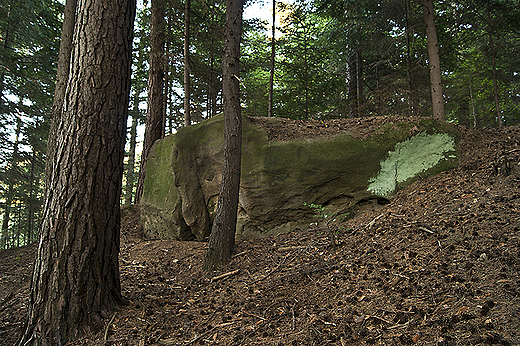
(439, 265)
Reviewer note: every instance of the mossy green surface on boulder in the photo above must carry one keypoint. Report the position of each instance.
(160, 203)
(279, 178)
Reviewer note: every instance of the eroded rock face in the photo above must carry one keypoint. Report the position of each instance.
(184, 173)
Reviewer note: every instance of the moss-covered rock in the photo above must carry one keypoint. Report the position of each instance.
(279, 178)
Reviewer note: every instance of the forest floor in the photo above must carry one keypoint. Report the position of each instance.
(439, 265)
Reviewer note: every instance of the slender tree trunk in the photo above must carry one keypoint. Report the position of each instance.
(75, 282)
(154, 126)
(30, 204)
(222, 239)
(130, 172)
(214, 84)
(306, 80)
(19, 230)
(472, 102)
(433, 57)
(63, 69)
(359, 83)
(10, 190)
(211, 84)
(493, 65)
(411, 105)
(7, 41)
(167, 89)
(169, 93)
(187, 91)
(271, 75)
(352, 86)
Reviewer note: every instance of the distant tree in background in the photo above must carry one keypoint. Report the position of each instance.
(154, 123)
(372, 59)
(187, 91)
(29, 41)
(12, 171)
(140, 61)
(273, 61)
(130, 169)
(434, 61)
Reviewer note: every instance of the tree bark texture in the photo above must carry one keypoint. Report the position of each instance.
(433, 57)
(75, 282)
(154, 123)
(187, 91)
(222, 239)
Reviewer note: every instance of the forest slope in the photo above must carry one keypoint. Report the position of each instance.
(437, 266)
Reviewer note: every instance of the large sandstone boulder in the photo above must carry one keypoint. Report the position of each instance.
(281, 178)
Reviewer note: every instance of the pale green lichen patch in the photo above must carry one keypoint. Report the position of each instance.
(411, 157)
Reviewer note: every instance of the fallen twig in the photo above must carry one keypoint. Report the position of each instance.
(250, 314)
(425, 229)
(108, 326)
(402, 276)
(399, 325)
(291, 248)
(277, 267)
(371, 223)
(175, 341)
(240, 254)
(197, 338)
(223, 276)
(378, 318)
(4, 305)
(268, 274)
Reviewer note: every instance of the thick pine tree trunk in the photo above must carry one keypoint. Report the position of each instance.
(154, 125)
(433, 57)
(222, 239)
(75, 282)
